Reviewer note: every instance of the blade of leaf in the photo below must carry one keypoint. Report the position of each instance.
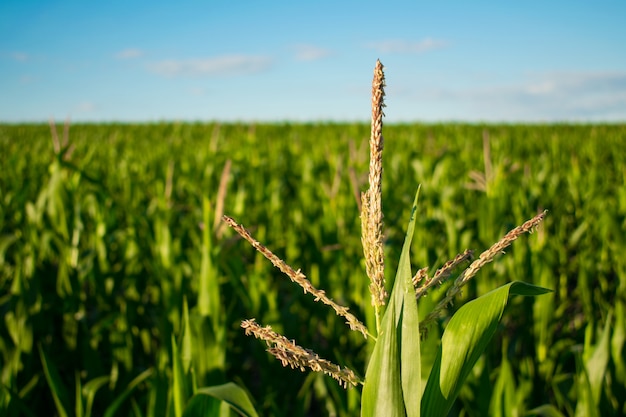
(112, 409)
(546, 410)
(386, 380)
(230, 393)
(78, 407)
(465, 339)
(17, 404)
(59, 391)
(618, 339)
(382, 390)
(597, 362)
(591, 370)
(180, 382)
(584, 398)
(90, 389)
(410, 359)
(503, 402)
(186, 341)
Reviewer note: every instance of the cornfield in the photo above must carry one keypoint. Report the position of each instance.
(117, 273)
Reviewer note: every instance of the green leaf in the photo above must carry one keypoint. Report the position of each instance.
(112, 409)
(16, 405)
(230, 393)
(591, 371)
(597, 362)
(465, 339)
(392, 381)
(180, 385)
(59, 391)
(186, 340)
(618, 340)
(90, 389)
(208, 286)
(545, 410)
(79, 412)
(584, 399)
(382, 390)
(410, 358)
(503, 400)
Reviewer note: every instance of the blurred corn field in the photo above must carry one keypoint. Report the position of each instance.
(110, 252)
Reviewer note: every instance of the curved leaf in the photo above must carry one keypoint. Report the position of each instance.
(466, 337)
(90, 389)
(546, 410)
(112, 409)
(230, 393)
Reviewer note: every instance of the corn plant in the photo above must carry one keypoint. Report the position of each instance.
(392, 385)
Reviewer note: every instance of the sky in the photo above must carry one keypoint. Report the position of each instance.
(478, 61)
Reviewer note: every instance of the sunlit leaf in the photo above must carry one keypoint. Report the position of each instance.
(465, 339)
(90, 389)
(230, 393)
(392, 381)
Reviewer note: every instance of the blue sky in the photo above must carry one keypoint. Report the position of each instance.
(473, 61)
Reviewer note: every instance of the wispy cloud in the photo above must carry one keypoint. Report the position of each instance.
(129, 53)
(197, 91)
(20, 56)
(306, 52)
(85, 107)
(550, 96)
(27, 79)
(398, 46)
(580, 94)
(225, 65)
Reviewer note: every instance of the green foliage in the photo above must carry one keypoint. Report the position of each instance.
(98, 252)
(229, 393)
(393, 378)
(466, 337)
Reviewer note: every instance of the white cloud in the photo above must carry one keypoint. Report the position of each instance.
(129, 53)
(406, 47)
(550, 96)
(543, 87)
(85, 107)
(306, 52)
(590, 94)
(20, 56)
(197, 91)
(27, 79)
(224, 65)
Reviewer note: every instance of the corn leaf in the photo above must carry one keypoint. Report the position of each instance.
(16, 405)
(89, 392)
(111, 410)
(186, 342)
(597, 362)
(592, 369)
(546, 410)
(79, 411)
(392, 380)
(618, 340)
(230, 393)
(59, 391)
(208, 289)
(503, 399)
(465, 339)
(180, 382)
